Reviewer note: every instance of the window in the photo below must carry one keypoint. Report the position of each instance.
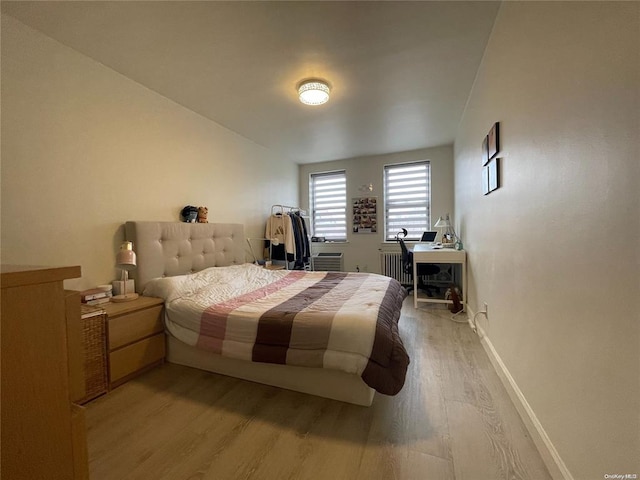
(329, 205)
(407, 199)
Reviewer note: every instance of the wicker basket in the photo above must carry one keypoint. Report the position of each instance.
(95, 356)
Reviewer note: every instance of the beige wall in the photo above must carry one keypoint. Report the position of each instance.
(362, 250)
(84, 149)
(554, 251)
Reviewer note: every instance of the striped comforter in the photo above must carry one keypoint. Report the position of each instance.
(343, 321)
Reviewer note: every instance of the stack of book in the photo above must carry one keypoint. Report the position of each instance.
(95, 296)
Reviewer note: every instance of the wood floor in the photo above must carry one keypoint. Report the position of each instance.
(452, 421)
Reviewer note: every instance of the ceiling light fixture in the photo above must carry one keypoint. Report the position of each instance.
(313, 92)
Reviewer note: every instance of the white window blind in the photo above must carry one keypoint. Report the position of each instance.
(329, 205)
(407, 199)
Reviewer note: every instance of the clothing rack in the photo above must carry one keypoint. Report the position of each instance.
(274, 208)
(295, 239)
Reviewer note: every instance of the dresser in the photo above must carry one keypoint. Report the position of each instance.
(43, 430)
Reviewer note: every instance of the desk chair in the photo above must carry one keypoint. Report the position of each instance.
(423, 269)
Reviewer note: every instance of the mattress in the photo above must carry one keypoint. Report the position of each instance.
(333, 320)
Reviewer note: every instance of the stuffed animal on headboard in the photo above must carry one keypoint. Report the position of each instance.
(202, 214)
(189, 214)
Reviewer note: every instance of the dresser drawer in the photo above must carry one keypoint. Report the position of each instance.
(133, 326)
(136, 356)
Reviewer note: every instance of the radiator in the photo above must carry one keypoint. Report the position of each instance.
(327, 262)
(391, 266)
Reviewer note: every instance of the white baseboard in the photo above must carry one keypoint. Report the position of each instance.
(548, 452)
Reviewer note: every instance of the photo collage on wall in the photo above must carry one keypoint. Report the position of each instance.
(365, 219)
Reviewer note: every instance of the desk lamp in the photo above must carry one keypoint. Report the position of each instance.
(448, 235)
(404, 233)
(125, 260)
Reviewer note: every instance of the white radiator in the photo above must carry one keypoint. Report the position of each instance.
(391, 266)
(327, 262)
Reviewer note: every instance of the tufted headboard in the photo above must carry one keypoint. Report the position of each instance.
(165, 249)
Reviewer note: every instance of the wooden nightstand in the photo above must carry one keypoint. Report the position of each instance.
(135, 337)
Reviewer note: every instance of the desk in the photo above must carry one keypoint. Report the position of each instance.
(423, 253)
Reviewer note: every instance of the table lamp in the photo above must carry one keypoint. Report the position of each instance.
(448, 235)
(125, 260)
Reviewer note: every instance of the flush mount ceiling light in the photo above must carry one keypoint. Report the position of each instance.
(313, 92)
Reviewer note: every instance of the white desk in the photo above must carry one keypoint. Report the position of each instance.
(423, 253)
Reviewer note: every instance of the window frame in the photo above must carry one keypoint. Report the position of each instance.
(415, 234)
(312, 204)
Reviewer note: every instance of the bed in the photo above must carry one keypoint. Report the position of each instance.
(261, 325)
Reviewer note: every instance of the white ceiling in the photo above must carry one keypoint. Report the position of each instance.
(400, 71)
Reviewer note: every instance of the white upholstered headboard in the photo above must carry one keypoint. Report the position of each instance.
(165, 249)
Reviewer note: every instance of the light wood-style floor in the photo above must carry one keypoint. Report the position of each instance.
(453, 420)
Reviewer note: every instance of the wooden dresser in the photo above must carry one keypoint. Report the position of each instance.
(43, 431)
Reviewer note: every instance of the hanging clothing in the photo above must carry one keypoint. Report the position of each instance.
(301, 240)
(297, 238)
(291, 232)
(306, 255)
(280, 227)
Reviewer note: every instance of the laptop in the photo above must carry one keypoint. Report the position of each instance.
(428, 237)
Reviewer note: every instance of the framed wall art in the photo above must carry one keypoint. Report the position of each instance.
(490, 161)
(485, 150)
(494, 174)
(365, 218)
(493, 140)
(485, 180)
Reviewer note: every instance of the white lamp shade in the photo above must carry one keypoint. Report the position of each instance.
(126, 257)
(442, 223)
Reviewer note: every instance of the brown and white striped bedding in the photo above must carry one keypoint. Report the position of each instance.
(343, 321)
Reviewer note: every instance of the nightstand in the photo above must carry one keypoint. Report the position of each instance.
(135, 337)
